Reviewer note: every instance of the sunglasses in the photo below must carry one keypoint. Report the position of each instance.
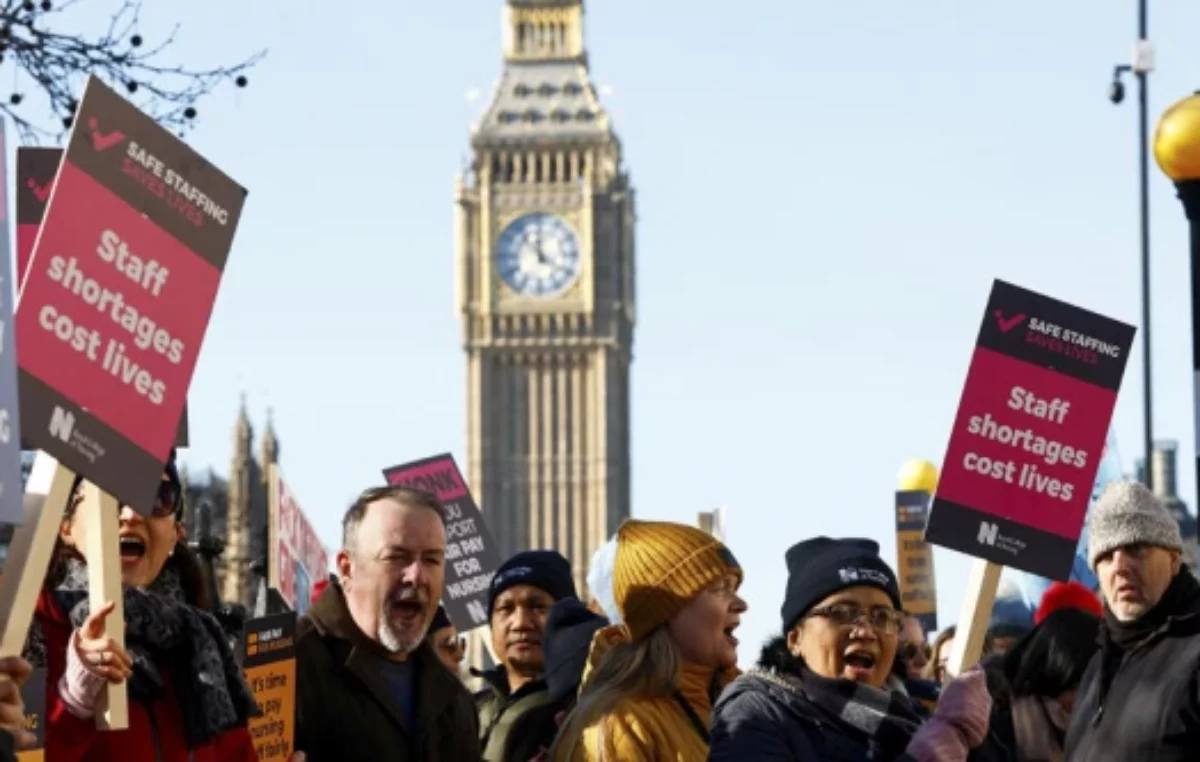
(167, 502)
(911, 652)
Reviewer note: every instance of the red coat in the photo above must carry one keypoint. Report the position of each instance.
(70, 739)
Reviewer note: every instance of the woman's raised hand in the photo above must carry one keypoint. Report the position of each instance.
(99, 653)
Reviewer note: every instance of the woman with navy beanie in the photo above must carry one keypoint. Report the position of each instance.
(825, 689)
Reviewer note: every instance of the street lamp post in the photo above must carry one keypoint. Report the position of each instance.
(1143, 64)
(1177, 151)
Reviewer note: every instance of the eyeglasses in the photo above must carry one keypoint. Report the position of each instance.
(888, 621)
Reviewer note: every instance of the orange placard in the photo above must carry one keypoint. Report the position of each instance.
(270, 665)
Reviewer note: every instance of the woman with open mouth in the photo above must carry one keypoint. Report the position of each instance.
(651, 682)
(825, 691)
(187, 697)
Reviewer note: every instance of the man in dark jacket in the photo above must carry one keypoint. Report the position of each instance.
(1140, 697)
(369, 686)
(519, 600)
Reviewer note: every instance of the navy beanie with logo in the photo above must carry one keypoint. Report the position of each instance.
(544, 569)
(820, 567)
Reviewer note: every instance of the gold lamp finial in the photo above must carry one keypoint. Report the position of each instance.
(919, 476)
(1177, 140)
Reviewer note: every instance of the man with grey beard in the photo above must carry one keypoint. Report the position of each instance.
(369, 686)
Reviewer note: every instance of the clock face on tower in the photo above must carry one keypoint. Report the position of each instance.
(538, 255)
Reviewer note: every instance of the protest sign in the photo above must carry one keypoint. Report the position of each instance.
(1030, 431)
(297, 559)
(36, 170)
(33, 694)
(471, 557)
(1025, 447)
(10, 413)
(914, 558)
(118, 295)
(269, 648)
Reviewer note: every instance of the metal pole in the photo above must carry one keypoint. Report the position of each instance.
(1144, 171)
(1189, 194)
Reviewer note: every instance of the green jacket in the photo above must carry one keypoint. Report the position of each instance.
(499, 710)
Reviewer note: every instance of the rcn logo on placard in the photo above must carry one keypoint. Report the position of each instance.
(102, 141)
(988, 533)
(62, 427)
(62, 424)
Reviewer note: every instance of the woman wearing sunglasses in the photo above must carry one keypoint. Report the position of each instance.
(187, 698)
(450, 647)
(826, 690)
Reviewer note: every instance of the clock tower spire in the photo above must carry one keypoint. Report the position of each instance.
(544, 261)
(543, 30)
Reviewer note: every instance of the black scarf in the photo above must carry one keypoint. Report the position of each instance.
(162, 629)
(1117, 637)
(885, 715)
(1179, 598)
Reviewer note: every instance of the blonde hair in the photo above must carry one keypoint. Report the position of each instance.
(643, 669)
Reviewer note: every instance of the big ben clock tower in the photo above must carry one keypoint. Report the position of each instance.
(544, 260)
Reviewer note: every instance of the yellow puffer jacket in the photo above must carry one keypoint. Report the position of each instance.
(651, 730)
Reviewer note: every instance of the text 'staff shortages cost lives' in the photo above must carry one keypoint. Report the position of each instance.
(118, 296)
(36, 169)
(471, 557)
(10, 424)
(1030, 432)
(270, 668)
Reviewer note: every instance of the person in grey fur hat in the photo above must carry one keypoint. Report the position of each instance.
(1150, 640)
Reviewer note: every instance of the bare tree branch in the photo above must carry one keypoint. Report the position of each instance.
(56, 63)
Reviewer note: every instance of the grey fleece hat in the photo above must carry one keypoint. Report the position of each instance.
(1126, 514)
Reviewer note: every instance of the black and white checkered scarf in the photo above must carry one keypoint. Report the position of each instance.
(885, 715)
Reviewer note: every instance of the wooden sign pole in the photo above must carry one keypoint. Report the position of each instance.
(974, 617)
(104, 584)
(46, 495)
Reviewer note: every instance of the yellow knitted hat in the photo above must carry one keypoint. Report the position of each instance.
(660, 567)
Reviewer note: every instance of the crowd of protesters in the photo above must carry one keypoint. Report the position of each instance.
(643, 670)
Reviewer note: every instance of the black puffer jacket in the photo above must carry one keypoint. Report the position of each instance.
(1144, 704)
(765, 716)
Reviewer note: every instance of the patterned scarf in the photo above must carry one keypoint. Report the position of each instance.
(161, 629)
(884, 715)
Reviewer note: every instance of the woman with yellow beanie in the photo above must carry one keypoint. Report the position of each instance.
(653, 679)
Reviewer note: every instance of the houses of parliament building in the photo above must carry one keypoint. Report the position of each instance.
(234, 509)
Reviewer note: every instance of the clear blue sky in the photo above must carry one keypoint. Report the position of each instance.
(826, 191)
